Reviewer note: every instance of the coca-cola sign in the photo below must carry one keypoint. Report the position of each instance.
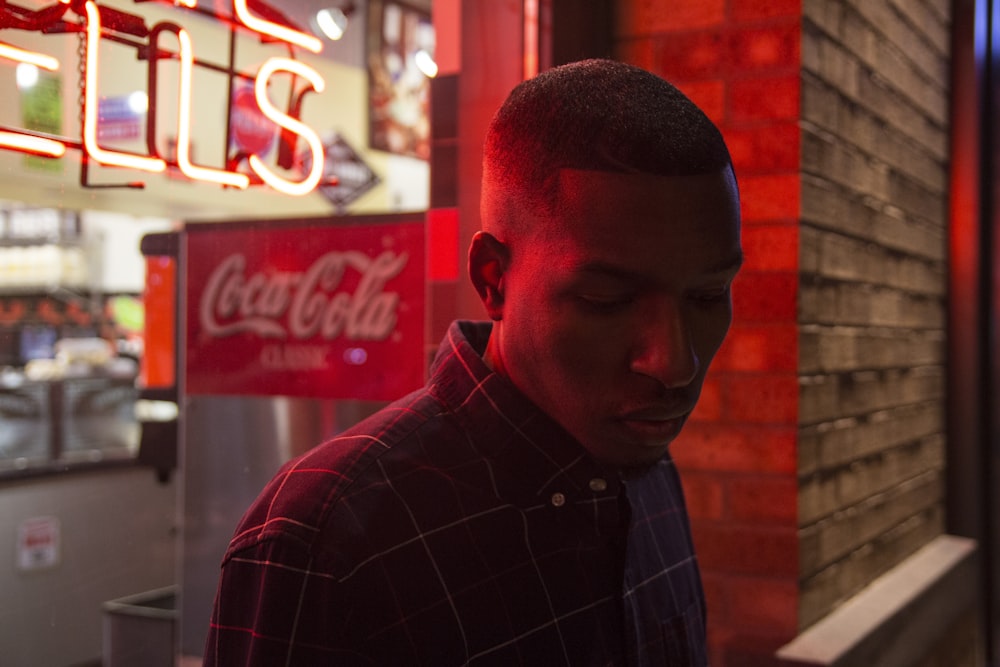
(332, 311)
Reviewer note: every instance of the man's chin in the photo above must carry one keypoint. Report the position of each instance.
(636, 460)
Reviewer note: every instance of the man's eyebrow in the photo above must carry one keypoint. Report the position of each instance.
(730, 264)
(603, 269)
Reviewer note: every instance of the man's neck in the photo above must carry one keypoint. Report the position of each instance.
(493, 356)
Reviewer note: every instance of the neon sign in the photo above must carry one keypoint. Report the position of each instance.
(97, 23)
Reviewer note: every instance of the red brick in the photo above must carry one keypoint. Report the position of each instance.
(709, 95)
(639, 52)
(722, 448)
(709, 406)
(765, 297)
(691, 55)
(718, 637)
(771, 247)
(768, 603)
(756, 10)
(737, 549)
(764, 498)
(770, 198)
(761, 399)
(765, 347)
(704, 495)
(765, 48)
(716, 587)
(765, 98)
(643, 17)
(771, 147)
(753, 649)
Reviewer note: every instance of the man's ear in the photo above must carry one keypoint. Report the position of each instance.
(488, 260)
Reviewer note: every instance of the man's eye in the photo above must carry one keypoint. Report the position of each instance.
(712, 295)
(605, 302)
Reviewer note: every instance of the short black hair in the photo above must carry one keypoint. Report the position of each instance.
(600, 115)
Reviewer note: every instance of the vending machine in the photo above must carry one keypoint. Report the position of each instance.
(287, 332)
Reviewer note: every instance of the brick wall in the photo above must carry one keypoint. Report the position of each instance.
(814, 463)
(872, 290)
(739, 60)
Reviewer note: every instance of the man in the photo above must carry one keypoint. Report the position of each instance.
(523, 509)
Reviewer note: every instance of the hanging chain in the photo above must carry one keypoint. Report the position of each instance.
(81, 65)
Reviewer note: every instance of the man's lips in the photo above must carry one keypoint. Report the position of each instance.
(656, 426)
(656, 413)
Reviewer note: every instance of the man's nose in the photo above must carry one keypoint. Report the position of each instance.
(663, 347)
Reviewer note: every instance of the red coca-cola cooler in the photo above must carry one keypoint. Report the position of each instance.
(287, 332)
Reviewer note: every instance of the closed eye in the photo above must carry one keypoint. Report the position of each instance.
(605, 302)
(712, 295)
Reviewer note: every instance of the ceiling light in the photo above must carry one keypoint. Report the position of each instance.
(26, 76)
(138, 102)
(332, 22)
(425, 63)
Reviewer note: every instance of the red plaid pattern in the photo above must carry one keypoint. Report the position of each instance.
(460, 526)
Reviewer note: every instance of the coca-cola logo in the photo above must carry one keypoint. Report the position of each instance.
(308, 304)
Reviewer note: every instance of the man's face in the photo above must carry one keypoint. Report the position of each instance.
(613, 309)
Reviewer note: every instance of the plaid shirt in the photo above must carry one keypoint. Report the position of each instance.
(460, 526)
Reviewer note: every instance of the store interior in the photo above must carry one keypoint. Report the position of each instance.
(91, 475)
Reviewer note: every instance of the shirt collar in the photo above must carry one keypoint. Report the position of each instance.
(538, 458)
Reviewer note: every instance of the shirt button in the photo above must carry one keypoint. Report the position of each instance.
(597, 484)
(558, 499)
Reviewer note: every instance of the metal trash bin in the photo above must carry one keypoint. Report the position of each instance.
(140, 630)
